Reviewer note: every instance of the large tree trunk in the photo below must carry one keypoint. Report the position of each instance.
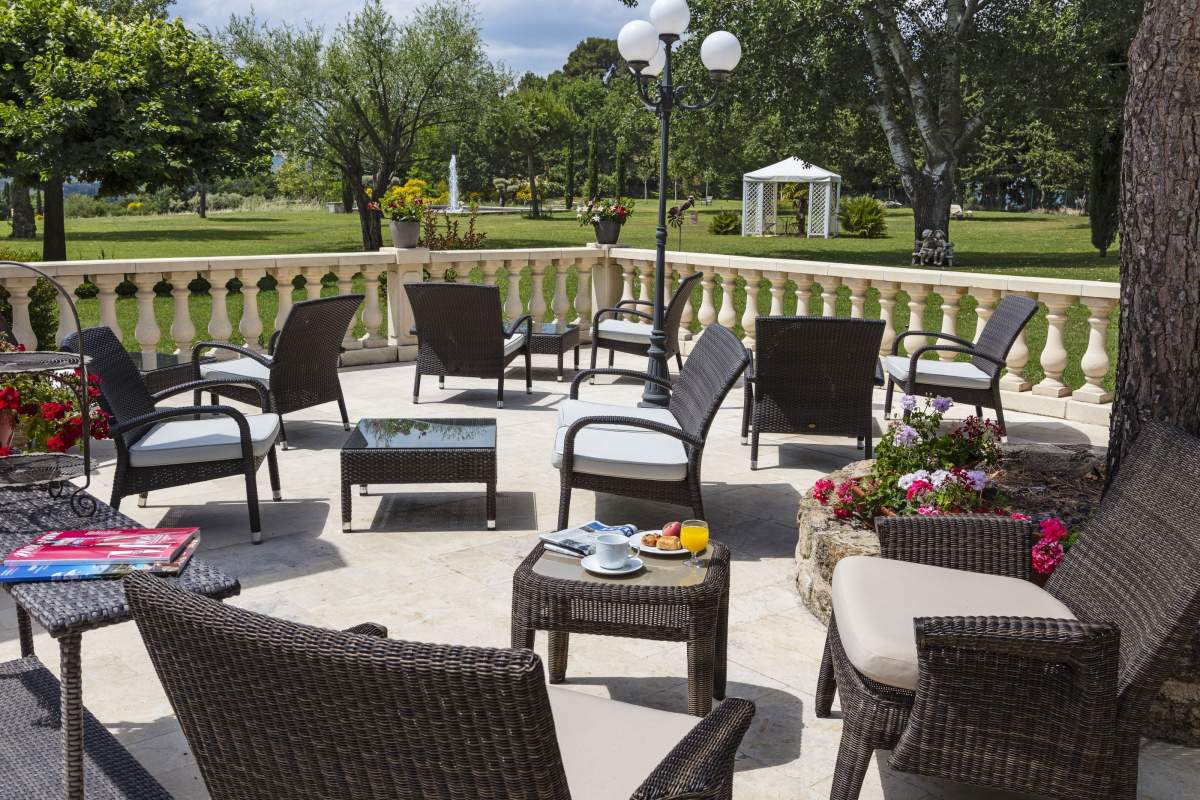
(534, 203)
(24, 224)
(930, 191)
(368, 220)
(54, 231)
(202, 199)
(570, 172)
(347, 197)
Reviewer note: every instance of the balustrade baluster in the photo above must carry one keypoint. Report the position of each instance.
(283, 292)
(18, 298)
(107, 300)
(829, 295)
(887, 304)
(560, 303)
(372, 315)
(537, 291)
(985, 299)
(1018, 357)
(951, 297)
(778, 281)
(513, 309)
(727, 317)
(1054, 354)
(685, 319)
(250, 326)
(1095, 360)
(708, 310)
(646, 274)
(917, 294)
(626, 280)
(858, 296)
(219, 326)
(345, 285)
(753, 280)
(66, 323)
(146, 331)
(583, 297)
(183, 330)
(804, 296)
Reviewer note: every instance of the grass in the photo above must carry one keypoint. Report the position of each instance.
(1025, 244)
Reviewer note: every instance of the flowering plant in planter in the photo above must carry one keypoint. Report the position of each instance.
(1053, 545)
(598, 211)
(44, 409)
(398, 205)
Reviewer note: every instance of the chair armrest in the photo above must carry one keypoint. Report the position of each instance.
(632, 422)
(935, 334)
(198, 346)
(161, 415)
(264, 394)
(369, 629)
(274, 340)
(1004, 682)
(583, 375)
(527, 320)
(973, 542)
(634, 303)
(614, 312)
(701, 765)
(915, 358)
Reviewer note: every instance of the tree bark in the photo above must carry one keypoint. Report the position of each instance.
(24, 224)
(368, 220)
(931, 193)
(202, 199)
(54, 231)
(570, 172)
(534, 204)
(1158, 363)
(347, 197)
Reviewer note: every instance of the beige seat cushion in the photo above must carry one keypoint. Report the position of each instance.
(193, 441)
(620, 330)
(957, 374)
(513, 343)
(236, 369)
(875, 601)
(620, 451)
(608, 748)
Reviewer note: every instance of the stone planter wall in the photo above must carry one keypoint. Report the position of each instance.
(824, 541)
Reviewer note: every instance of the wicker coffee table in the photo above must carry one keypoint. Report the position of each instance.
(666, 601)
(553, 339)
(420, 451)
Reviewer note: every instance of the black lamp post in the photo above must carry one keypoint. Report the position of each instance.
(647, 47)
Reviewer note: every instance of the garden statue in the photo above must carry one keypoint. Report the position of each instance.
(933, 249)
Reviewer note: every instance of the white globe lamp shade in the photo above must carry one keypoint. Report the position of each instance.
(670, 17)
(655, 67)
(637, 41)
(721, 52)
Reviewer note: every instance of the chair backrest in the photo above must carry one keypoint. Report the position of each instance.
(121, 384)
(1137, 561)
(309, 345)
(674, 311)
(276, 709)
(460, 322)
(816, 373)
(1008, 320)
(716, 362)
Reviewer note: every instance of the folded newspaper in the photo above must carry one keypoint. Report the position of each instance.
(581, 540)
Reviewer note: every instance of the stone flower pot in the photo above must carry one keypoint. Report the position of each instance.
(405, 234)
(607, 231)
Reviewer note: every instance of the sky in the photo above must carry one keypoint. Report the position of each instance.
(527, 35)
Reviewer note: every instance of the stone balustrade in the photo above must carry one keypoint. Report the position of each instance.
(1060, 369)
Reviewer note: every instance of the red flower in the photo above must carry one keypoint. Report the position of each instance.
(1017, 515)
(842, 513)
(1047, 555)
(10, 398)
(822, 489)
(57, 444)
(918, 488)
(52, 410)
(5, 452)
(1053, 529)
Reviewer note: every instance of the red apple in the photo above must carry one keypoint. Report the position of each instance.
(672, 529)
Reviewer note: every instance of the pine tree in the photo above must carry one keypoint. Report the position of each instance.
(622, 178)
(1105, 187)
(593, 171)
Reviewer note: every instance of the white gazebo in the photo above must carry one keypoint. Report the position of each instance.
(760, 197)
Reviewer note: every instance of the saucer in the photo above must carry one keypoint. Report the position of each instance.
(592, 564)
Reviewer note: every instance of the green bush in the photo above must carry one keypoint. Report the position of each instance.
(84, 206)
(725, 223)
(863, 216)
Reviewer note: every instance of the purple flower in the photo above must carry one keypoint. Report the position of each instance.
(941, 404)
(908, 402)
(977, 479)
(906, 435)
(912, 477)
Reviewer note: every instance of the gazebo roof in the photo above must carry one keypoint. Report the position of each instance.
(792, 170)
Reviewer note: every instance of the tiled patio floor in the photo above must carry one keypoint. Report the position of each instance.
(421, 563)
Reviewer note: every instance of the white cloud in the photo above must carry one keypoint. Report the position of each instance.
(526, 35)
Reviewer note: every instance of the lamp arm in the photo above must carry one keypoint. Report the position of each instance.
(644, 94)
(701, 105)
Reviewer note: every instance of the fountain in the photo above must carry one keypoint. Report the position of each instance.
(455, 207)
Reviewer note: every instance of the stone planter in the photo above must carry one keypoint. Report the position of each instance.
(824, 541)
(607, 231)
(405, 234)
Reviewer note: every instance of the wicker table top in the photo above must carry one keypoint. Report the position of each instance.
(423, 434)
(659, 571)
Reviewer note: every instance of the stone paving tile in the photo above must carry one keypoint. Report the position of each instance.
(419, 561)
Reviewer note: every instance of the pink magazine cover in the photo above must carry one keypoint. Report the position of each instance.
(125, 546)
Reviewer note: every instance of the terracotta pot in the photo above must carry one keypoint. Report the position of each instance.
(607, 231)
(405, 234)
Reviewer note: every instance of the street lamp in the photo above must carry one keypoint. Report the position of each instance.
(647, 48)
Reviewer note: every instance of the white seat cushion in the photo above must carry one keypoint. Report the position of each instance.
(875, 601)
(513, 343)
(235, 369)
(193, 441)
(608, 748)
(620, 330)
(959, 374)
(621, 451)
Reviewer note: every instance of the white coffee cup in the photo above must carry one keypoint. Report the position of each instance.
(612, 550)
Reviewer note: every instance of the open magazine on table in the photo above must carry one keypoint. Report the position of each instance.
(581, 540)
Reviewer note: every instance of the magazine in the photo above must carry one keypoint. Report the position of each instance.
(125, 546)
(581, 541)
(27, 573)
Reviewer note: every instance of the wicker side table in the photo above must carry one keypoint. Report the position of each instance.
(553, 339)
(420, 451)
(666, 601)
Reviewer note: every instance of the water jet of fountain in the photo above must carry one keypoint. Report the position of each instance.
(454, 203)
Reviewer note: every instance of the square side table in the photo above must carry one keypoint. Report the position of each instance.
(553, 339)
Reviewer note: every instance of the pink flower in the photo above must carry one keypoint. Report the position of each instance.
(822, 489)
(842, 513)
(1020, 516)
(928, 511)
(1053, 529)
(1047, 555)
(845, 492)
(918, 488)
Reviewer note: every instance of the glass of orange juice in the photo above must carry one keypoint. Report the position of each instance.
(694, 537)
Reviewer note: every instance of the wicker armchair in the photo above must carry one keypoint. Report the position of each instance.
(1009, 685)
(300, 368)
(611, 330)
(158, 448)
(460, 331)
(277, 709)
(812, 375)
(975, 382)
(651, 453)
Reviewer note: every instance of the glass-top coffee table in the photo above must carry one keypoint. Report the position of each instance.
(553, 339)
(420, 451)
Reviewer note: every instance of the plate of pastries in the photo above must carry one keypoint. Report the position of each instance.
(664, 542)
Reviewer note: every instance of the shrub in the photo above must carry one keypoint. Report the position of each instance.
(725, 223)
(84, 206)
(863, 216)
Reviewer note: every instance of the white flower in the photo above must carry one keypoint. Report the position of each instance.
(912, 477)
(596, 218)
(939, 477)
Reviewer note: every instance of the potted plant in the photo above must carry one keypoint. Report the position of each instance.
(606, 217)
(403, 210)
(39, 412)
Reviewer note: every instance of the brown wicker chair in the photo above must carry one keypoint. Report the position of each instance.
(1049, 701)
(611, 330)
(158, 448)
(300, 368)
(277, 709)
(460, 331)
(975, 382)
(651, 453)
(812, 375)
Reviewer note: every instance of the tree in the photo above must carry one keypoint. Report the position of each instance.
(362, 98)
(24, 225)
(593, 169)
(1158, 362)
(592, 58)
(530, 120)
(1105, 186)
